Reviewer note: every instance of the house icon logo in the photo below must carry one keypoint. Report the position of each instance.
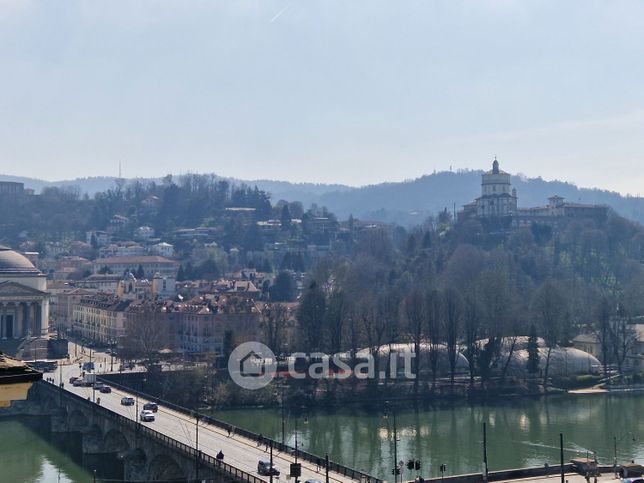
(252, 365)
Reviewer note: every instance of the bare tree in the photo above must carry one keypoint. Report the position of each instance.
(273, 321)
(549, 307)
(601, 329)
(146, 334)
(622, 338)
(471, 330)
(452, 304)
(434, 334)
(413, 307)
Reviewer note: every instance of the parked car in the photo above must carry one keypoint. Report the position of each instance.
(146, 416)
(106, 389)
(77, 382)
(150, 406)
(266, 469)
(127, 401)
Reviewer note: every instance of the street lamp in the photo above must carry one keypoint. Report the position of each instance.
(197, 443)
(395, 470)
(296, 468)
(281, 398)
(112, 355)
(618, 440)
(485, 467)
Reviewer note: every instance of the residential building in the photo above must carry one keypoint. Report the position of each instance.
(164, 287)
(11, 188)
(163, 249)
(62, 306)
(122, 249)
(97, 238)
(150, 263)
(199, 325)
(100, 317)
(107, 282)
(634, 361)
(144, 233)
(117, 223)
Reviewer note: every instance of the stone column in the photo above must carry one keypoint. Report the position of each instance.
(29, 329)
(38, 319)
(44, 316)
(3, 313)
(19, 331)
(33, 316)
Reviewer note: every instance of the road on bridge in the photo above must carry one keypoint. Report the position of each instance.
(239, 451)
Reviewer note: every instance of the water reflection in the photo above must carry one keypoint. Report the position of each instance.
(521, 432)
(26, 457)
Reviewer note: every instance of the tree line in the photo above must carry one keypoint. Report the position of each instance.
(471, 287)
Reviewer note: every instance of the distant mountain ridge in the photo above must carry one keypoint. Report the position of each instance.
(406, 202)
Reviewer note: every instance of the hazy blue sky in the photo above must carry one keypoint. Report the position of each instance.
(323, 90)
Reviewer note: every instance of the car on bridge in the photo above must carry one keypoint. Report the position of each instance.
(151, 406)
(265, 468)
(127, 401)
(77, 382)
(105, 389)
(146, 416)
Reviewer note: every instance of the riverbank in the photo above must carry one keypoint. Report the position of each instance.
(191, 387)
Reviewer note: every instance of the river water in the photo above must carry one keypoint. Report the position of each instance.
(26, 457)
(520, 433)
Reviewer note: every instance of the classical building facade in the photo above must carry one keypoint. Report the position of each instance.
(24, 301)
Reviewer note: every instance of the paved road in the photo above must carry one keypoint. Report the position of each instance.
(606, 477)
(238, 451)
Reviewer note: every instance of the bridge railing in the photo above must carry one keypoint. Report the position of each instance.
(311, 458)
(205, 459)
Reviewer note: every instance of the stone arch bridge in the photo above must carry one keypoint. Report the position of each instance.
(147, 455)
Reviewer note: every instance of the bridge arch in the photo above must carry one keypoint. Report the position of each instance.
(77, 420)
(163, 468)
(115, 442)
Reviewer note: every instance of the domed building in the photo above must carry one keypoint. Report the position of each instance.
(24, 301)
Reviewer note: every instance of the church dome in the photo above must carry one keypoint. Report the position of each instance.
(13, 263)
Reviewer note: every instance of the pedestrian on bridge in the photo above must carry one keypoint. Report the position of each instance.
(220, 456)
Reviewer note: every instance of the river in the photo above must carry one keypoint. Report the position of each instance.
(520, 433)
(27, 457)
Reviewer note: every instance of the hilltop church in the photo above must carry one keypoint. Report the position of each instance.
(498, 200)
